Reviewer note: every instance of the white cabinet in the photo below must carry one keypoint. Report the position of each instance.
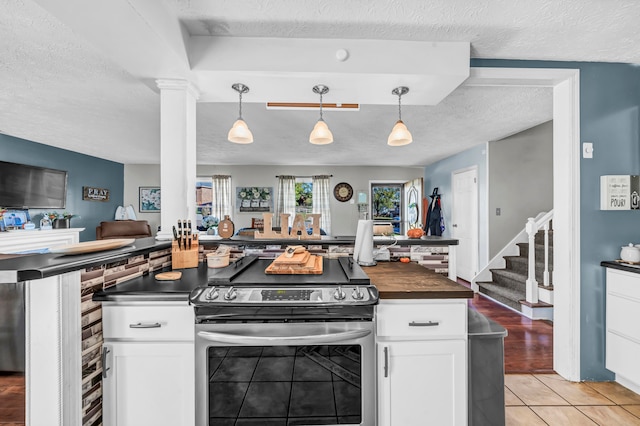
(623, 334)
(148, 364)
(422, 362)
(36, 239)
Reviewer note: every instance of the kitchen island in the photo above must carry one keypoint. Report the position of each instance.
(61, 287)
(421, 341)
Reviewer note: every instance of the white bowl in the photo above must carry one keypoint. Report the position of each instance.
(217, 260)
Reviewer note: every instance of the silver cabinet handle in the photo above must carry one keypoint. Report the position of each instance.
(146, 325)
(424, 324)
(386, 361)
(105, 351)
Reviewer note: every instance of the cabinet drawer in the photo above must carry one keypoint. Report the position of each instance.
(623, 283)
(422, 320)
(622, 357)
(156, 322)
(623, 316)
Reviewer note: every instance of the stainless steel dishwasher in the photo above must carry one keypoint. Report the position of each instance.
(12, 332)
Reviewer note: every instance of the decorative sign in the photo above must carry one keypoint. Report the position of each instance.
(619, 192)
(298, 229)
(90, 193)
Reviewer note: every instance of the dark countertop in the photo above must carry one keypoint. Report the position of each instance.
(248, 270)
(36, 266)
(621, 265)
(330, 240)
(394, 280)
(397, 280)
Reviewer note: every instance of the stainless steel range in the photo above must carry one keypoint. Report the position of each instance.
(285, 349)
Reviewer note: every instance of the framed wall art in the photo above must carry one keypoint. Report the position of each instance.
(254, 199)
(149, 199)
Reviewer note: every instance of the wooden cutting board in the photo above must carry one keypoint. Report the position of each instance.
(312, 266)
(297, 259)
(169, 276)
(92, 246)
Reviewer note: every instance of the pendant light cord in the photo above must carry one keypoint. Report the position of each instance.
(399, 108)
(240, 108)
(321, 107)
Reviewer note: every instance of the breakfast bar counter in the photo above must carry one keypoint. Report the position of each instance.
(397, 280)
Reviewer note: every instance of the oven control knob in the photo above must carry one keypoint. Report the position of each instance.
(231, 294)
(357, 294)
(339, 294)
(212, 294)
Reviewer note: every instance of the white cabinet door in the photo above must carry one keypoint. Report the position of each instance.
(149, 384)
(422, 382)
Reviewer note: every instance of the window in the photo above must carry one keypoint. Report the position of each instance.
(213, 198)
(386, 204)
(304, 195)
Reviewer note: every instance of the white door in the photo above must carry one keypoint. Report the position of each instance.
(464, 221)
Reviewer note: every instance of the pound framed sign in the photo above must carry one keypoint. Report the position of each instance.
(90, 193)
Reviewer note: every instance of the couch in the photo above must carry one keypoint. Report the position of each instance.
(123, 229)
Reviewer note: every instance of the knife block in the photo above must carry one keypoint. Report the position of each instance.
(184, 258)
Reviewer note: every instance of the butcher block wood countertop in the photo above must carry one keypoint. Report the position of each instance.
(397, 280)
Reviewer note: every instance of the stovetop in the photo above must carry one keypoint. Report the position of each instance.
(250, 271)
(246, 292)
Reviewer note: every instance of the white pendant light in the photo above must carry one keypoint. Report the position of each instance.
(399, 135)
(240, 132)
(321, 135)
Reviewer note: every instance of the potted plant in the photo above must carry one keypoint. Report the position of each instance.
(60, 220)
(210, 223)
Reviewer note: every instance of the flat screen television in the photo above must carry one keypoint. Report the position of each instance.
(23, 186)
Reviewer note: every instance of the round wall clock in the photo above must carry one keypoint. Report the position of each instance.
(343, 191)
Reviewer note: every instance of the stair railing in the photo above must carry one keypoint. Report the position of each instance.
(532, 228)
(511, 249)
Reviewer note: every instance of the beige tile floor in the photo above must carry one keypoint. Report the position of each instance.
(548, 399)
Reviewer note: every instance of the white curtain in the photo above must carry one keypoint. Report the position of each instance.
(286, 200)
(222, 199)
(321, 197)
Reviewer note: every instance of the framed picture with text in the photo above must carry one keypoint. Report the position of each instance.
(149, 199)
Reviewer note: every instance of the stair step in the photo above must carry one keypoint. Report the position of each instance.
(520, 265)
(509, 279)
(503, 295)
(524, 251)
(535, 305)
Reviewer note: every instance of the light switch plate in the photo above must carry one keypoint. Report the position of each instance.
(587, 150)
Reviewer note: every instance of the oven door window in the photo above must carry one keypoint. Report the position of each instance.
(285, 385)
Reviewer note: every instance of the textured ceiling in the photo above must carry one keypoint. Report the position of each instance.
(63, 86)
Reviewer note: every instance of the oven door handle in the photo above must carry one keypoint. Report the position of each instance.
(307, 339)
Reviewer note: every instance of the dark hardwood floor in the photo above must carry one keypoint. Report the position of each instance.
(12, 409)
(528, 348)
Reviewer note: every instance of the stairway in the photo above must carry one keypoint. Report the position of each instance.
(508, 285)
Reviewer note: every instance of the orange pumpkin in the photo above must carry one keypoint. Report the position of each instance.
(405, 260)
(415, 233)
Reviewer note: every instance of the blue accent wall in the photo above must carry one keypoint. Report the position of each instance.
(82, 170)
(439, 175)
(609, 117)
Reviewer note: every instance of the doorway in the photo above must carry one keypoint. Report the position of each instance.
(566, 199)
(464, 221)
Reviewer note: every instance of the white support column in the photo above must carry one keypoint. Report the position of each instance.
(177, 153)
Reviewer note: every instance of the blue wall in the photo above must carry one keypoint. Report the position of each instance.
(439, 175)
(609, 116)
(82, 170)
